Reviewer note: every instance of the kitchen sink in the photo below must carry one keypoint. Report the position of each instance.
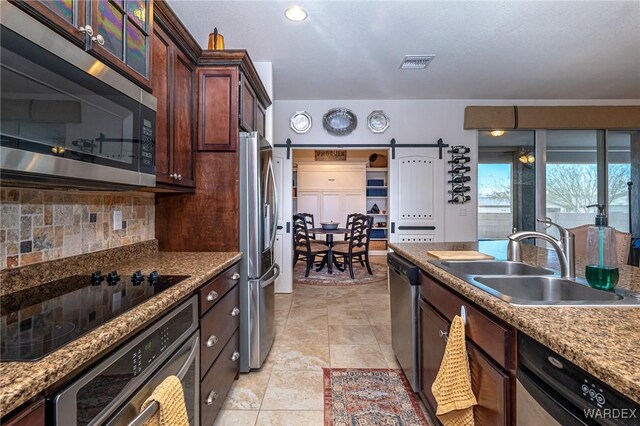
(520, 284)
(492, 267)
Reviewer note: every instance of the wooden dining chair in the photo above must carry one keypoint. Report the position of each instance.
(310, 220)
(303, 246)
(357, 247)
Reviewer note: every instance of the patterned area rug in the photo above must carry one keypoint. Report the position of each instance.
(338, 278)
(369, 397)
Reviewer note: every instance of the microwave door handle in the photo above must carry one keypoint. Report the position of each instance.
(153, 408)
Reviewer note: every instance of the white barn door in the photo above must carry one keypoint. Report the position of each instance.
(416, 195)
(282, 168)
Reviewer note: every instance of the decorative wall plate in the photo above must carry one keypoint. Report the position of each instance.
(300, 122)
(339, 121)
(377, 121)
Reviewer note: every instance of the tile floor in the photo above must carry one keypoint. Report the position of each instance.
(316, 327)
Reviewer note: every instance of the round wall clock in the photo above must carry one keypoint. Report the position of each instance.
(339, 121)
(300, 122)
(377, 121)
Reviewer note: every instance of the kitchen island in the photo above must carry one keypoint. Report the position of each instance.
(603, 341)
(22, 381)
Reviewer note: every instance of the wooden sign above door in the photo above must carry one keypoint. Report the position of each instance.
(331, 155)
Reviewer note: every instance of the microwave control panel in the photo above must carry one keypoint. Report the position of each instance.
(148, 147)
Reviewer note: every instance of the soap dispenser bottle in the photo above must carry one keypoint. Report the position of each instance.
(602, 262)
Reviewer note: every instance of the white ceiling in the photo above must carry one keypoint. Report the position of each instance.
(484, 50)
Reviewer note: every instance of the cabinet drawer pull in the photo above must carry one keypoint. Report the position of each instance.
(235, 356)
(99, 39)
(212, 340)
(235, 312)
(86, 30)
(444, 335)
(332, 180)
(213, 295)
(213, 395)
(235, 276)
(179, 177)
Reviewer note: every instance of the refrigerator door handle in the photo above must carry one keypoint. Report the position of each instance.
(276, 274)
(274, 228)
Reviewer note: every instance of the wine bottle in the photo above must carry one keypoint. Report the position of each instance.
(460, 199)
(459, 179)
(459, 168)
(459, 189)
(459, 159)
(458, 149)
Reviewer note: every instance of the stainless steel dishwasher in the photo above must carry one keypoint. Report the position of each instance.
(403, 289)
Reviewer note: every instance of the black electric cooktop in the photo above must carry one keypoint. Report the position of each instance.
(39, 320)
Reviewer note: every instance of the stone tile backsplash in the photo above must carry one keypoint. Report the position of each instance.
(39, 225)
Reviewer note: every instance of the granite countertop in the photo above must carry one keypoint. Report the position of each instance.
(21, 381)
(603, 341)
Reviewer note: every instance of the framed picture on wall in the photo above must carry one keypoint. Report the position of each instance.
(331, 155)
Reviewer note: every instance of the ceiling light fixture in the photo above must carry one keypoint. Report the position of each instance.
(497, 133)
(416, 62)
(295, 14)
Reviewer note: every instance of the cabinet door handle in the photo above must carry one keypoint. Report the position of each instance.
(213, 395)
(212, 340)
(332, 180)
(235, 356)
(179, 177)
(98, 38)
(444, 335)
(86, 30)
(235, 276)
(213, 295)
(235, 312)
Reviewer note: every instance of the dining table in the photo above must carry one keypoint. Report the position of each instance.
(330, 260)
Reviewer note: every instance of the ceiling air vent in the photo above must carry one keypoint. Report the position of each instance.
(416, 62)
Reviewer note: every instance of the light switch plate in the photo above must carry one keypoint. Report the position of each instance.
(462, 212)
(117, 220)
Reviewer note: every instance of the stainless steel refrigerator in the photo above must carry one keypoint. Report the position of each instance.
(258, 225)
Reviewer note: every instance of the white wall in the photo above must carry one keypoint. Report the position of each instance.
(411, 122)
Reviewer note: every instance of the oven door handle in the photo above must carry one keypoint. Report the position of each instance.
(153, 408)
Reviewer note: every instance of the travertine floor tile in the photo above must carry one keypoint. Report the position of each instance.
(357, 356)
(236, 418)
(347, 317)
(247, 392)
(383, 334)
(291, 418)
(351, 335)
(303, 334)
(300, 356)
(390, 356)
(294, 390)
(346, 303)
(379, 317)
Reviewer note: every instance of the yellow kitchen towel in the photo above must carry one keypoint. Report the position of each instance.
(173, 411)
(452, 387)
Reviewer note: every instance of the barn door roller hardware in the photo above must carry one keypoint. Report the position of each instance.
(392, 144)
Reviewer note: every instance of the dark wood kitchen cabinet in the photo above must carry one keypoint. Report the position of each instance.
(173, 86)
(231, 99)
(219, 341)
(117, 32)
(492, 376)
(31, 415)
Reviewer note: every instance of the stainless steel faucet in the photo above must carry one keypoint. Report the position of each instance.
(565, 247)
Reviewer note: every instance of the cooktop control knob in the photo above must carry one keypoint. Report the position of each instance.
(137, 278)
(154, 277)
(113, 278)
(96, 278)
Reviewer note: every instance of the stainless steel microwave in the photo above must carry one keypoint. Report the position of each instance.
(67, 119)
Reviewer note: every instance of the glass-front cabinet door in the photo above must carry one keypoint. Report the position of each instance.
(121, 32)
(66, 16)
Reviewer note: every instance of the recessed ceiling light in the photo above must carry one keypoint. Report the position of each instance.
(497, 133)
(416, 62)
(295, 14)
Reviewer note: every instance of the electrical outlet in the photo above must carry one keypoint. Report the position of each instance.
(462, 212)
(117, 220)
